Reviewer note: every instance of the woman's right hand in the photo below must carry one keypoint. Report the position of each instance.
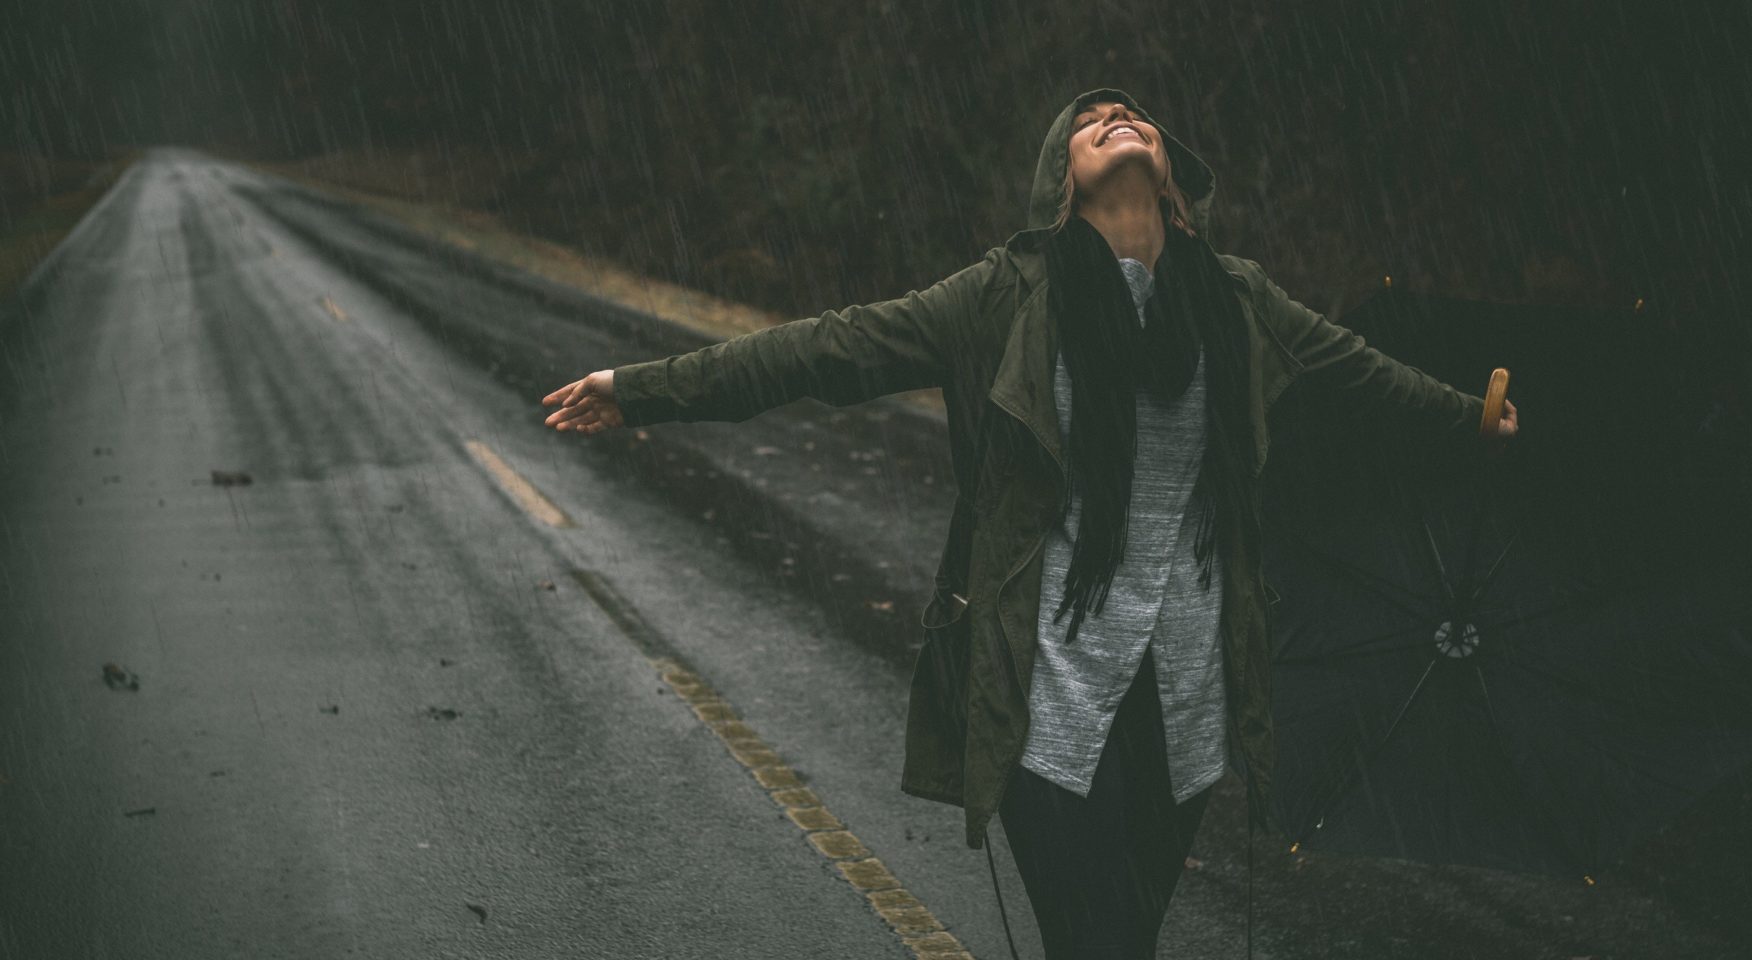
(586, 405)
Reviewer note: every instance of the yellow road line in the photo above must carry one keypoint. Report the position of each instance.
(519, 489)
(911, 920)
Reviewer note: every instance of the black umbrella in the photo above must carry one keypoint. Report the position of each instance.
(1526, 662)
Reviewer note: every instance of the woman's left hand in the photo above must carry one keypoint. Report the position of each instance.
(1507, 424)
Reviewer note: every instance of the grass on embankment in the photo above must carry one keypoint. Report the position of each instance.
(41, 201)
(389, 184)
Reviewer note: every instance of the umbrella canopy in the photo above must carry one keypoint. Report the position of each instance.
(1527, 662)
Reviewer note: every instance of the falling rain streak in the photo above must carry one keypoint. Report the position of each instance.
(312, 633)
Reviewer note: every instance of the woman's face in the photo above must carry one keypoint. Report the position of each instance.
(1109, 139)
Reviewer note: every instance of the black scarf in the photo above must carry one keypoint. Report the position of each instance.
(1109, 358)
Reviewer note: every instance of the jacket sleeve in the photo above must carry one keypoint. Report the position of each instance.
(1336, 360)
(841, 357)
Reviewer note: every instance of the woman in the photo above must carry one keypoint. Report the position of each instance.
(1107, 377)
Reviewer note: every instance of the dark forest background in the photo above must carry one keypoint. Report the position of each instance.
(806, 155)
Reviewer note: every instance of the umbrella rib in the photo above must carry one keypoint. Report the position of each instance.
(1362, 762)
(1630, 771)
(1586, 690)
(1546, 813)
(1436, 555)
(1472, 541)
(1621, 585)
(1490, 575)
(1407, 704)
(1376, 585)
(1625, 584)
(1489, 711)
(1362, 650)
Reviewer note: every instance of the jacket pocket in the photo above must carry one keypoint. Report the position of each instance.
(936, 725)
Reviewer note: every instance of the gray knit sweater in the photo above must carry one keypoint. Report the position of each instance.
(1155, 601)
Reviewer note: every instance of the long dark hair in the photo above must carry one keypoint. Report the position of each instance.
(1195, 309)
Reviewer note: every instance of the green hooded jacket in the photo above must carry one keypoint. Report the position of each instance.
(984, 336)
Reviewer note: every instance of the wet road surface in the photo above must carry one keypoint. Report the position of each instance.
(365, 725)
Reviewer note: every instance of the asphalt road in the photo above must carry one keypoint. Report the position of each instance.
(402, 694)
(286, 780)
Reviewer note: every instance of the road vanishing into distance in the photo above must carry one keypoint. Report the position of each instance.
(314, 642)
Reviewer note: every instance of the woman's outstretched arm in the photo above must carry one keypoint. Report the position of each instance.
(1336, 359)
(840, 357)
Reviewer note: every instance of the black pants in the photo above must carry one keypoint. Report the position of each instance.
(1099, 870)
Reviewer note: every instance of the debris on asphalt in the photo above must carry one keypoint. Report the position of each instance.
(142, 812)
(545, 584)
(446, 662)
(231, 478)
(479, 911)
(331, 708)
(119, 679)
(444, 713)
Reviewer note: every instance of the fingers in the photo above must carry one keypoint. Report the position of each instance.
(598, 420)
(606, 423)
(561, 394)
(587, 410)
(1510, 423)
(590, 415)
(600, 384)
(585, 406)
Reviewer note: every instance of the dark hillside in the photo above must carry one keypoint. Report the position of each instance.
(800, 156)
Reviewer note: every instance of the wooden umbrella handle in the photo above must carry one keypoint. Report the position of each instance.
(1493, 403)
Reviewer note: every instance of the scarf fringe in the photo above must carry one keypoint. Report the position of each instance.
(1085, 283)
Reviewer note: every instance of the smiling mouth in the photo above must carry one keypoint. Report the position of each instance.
(1109, 135)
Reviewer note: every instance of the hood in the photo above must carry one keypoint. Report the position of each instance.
(1191, 173)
